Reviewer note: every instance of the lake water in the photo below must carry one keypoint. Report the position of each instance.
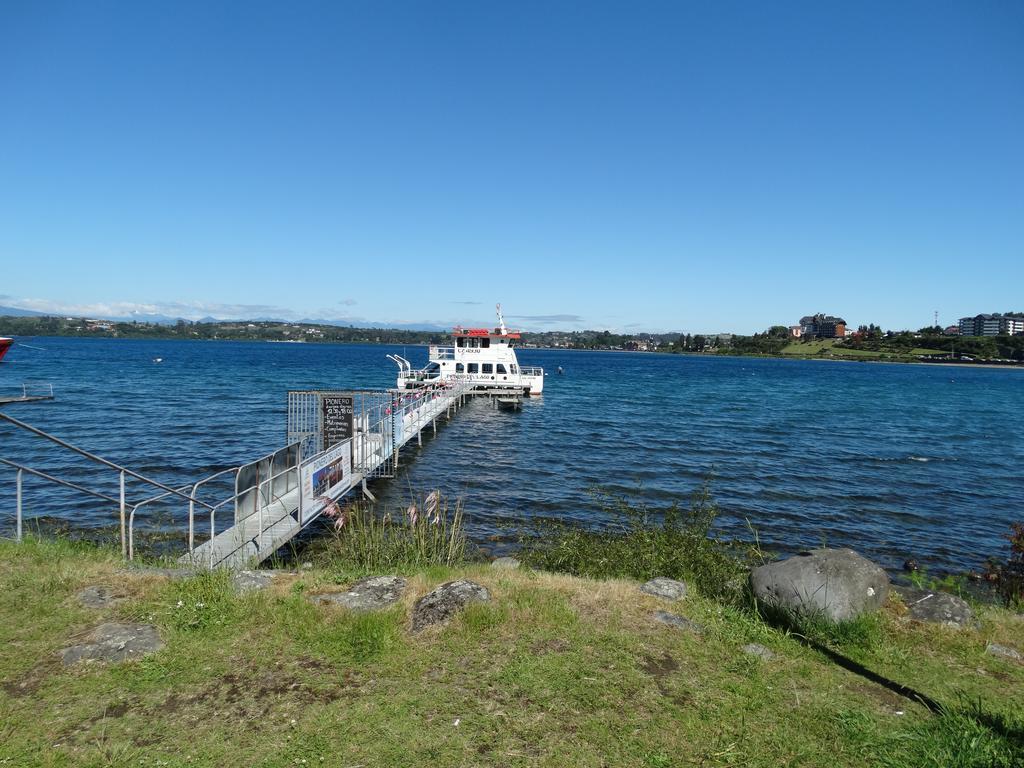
(892, 460)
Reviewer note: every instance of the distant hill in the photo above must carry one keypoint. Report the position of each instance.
(15, 312)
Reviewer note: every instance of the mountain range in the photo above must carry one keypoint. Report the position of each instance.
(167, 320)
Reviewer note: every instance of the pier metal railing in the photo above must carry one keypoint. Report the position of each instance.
(123, 476)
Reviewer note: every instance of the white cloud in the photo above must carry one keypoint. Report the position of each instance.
(193, 310)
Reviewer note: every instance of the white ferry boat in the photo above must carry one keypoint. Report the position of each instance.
(482, 356)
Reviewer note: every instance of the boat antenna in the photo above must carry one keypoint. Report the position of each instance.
(501, 322)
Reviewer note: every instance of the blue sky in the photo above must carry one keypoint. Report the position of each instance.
(662, 166)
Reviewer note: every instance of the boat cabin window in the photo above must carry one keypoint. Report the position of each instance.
(488, 368)
(460, 341)
(459, 368)
(514, 367)
(485, 343)
(501, 368)
(432, 370)
(473, 368)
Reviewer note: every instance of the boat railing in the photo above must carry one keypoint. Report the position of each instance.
(442, 353)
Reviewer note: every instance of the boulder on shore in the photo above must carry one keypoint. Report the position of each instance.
(677, 621)
(370, 594)
(1004, 651)
(837, 584)
(99, 597)
(667, 589)
(445, 601)
(759, 651)
(113, 643)
(936, 607)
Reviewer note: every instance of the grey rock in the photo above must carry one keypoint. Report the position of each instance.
(505, 562)
(936, 607)
(251, 581)
(370, 594)
(669, 589)
(1003, 651)
(114, 643)
(445, 601)
(679, 622)
(756, 649)
(99, 597)
(838, 584)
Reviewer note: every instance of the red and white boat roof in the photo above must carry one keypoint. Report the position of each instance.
(501, 332)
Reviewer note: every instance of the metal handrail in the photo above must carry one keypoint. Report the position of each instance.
(192, 506)
(21, 469)
(131, 520)
(57, 480)
(93, 457)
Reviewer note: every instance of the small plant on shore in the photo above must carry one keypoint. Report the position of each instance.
(953, 583)
(428, 532)
(1008, 577)
(678, 542)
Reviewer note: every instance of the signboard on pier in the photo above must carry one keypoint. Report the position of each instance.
(323, 479)
(337, 418)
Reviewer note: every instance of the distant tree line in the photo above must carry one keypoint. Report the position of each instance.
(238, 331)
(870, 338)
(1003, 347)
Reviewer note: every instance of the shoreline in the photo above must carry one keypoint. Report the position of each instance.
(736, 355)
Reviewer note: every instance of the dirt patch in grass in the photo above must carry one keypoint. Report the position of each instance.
(32, 680)
(659, 667)
(83, 732)
(256, 691)
(549, 646)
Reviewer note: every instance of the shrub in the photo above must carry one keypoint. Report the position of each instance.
(426, 533)
(675, 542)
(1008, 577)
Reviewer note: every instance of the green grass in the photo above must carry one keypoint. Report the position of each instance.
(833, 349)
(557, 671)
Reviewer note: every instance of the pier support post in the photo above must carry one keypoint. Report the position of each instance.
(366, 492)
(434, 423)
(17, 493)
(124, 533)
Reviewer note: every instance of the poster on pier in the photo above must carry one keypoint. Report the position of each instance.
(324, 478)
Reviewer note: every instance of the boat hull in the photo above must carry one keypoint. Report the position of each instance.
(5, 344)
